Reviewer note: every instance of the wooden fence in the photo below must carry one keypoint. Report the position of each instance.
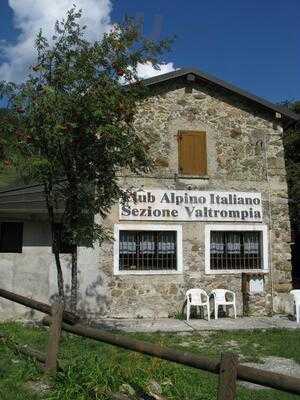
(227, 368)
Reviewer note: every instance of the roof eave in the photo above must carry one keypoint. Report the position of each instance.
(225, 85)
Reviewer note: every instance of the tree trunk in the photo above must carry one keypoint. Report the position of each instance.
(60, 278)
(55, 246)
(74, 281)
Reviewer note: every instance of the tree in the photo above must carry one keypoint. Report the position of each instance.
(292, 157)
(74, 131)
(8, 176)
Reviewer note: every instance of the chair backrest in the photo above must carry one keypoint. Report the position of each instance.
(196, 297)
(219, 294)
(296, 294)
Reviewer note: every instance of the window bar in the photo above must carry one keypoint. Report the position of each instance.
(167, 250)
(129, 248)
(233, 257)
(251, 241)
(163, 254)
(144, 251)
(138, 256)
(149, 252)
(158, 255)
(170, 250)
(175, 250)
(123, 246)
(137, 239)
(126, 256)
(164, 250)
(129, 240)
(257, 252)
(225, 249)
(153, 249)
(120, 250)
(222, 254)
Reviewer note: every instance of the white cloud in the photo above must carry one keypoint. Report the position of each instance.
(31, 15)
(147, 71)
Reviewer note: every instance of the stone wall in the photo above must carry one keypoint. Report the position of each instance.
(245, 153)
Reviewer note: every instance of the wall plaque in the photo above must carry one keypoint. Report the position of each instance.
(181, 205)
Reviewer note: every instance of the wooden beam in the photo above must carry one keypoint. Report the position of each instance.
(68, 316)
(254, 375)
(227, 376)
(54, 339)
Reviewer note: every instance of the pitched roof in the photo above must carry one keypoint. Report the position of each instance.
(203, 77)
(24, 200)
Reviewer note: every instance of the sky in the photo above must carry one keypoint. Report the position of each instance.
(253, 44)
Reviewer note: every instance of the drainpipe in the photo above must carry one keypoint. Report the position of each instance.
(270, 225)
(270, 221)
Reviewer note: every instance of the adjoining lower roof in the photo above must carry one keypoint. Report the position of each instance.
(24, 200)
(201, 76)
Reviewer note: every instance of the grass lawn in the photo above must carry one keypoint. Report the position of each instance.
(92, 370)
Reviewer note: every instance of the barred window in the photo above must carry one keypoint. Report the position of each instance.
(147, 250)
(235, 250)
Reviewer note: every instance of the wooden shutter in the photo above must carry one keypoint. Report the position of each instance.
(192, 153)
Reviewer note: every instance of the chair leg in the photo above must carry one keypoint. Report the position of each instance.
(208, 312)
(234, 309)
(216, 311)
(188, 309)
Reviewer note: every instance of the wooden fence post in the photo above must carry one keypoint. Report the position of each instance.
(54, 337)
(227, 376)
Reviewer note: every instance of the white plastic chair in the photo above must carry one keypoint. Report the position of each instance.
(296, 295)
(219, 297)
(198, 298)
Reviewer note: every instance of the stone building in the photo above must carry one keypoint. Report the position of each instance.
(213, 213)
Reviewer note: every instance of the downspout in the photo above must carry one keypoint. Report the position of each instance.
(270, 220)
(270, 226)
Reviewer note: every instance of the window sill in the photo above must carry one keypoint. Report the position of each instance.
(237, 271)
(150, 272)
(204, 177)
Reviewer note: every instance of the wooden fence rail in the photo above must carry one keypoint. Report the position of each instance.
(68, 316)
(54, 338)
(228, 368)
(250, 374)
(227, 376)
